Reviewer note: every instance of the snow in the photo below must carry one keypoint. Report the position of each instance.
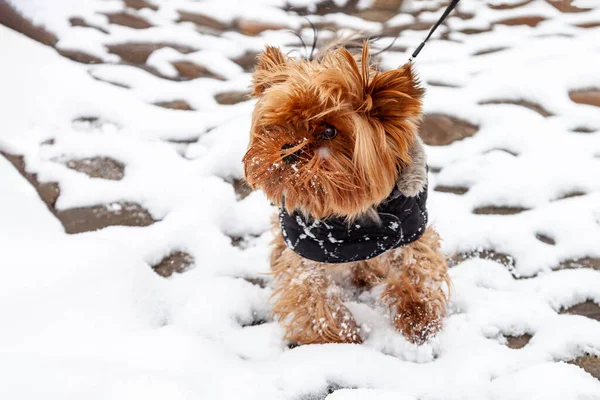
(85, 316)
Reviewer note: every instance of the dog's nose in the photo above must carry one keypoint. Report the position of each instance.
(290, 158)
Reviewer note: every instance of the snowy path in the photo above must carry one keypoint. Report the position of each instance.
(135, 150)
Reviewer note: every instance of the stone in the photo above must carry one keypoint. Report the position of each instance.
(176, 262)
(441, 130)
(85, 219)
(129, 20)
(588, 96)
(99, 167)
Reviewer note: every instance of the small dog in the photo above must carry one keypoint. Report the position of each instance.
(334, 145)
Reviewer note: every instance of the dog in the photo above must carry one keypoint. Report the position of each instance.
(334, 144)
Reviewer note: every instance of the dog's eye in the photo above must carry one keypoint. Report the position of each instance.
(329, 132)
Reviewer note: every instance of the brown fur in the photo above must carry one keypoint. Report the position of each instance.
(375, 114)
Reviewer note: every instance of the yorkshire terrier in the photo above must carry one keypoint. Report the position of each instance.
(334, 144)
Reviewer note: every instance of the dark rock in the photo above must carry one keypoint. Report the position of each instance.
(11, 18)
(138, 53)
(139, 4)
(585, 262)
(48, 191)
(176, 262)
(502, 258)
(99, 167)
(242, 189)
(489, 51)
(566, 6)
(451, 189)
(588, 309)
(441, 130)
(85, 219)
(80, 56)
(247, 61)
(518, 342)
(189, 70)
(498, 210)
(588, 96)
(203, 21)
(128, 20)
(523, 103)
(531, 21)
(175, 105)
(76, 21)
(228, 98)
(591, 364)
(508, 6)
(545, 239)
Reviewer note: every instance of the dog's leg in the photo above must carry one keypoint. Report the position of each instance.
(415, 287)
(306, 302)
(366, 275)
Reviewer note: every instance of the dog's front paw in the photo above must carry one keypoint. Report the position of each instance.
(418, 317)
(418, 321)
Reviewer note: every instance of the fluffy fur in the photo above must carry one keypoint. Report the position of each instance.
(375, 115)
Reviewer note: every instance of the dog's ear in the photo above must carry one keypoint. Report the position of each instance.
(396, 94)
(270, 70)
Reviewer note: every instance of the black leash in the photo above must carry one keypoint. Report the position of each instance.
(449, 9)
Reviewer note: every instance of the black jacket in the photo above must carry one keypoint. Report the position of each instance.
(334, 240)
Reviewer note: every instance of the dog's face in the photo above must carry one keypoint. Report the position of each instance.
(332, 135)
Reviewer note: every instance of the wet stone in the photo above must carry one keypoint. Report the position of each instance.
(545, 239)
(512, 153)
(175, 105)
(85, 219)
(203, 21)
(498, 210)
(523, 103)
(502, 258)
(80, 56)
(583, 129)
(14, 20)
(48, 191)
(531, 21)
(253, 28)
(475, 31)
(139, 4)
(508, 5)
(452, 189)
(128, 20)
(81, 22)
(566, 6)
(332, 387)
(138, 53)
(518, 342)
(247, 61)
(229, 98)
(489, 51)
(571, 195)
(591, 364)
(441, 130)
(585, 262)
(121, 85)
(589, 25)
(589, 96)
(260, 282)
(176, 262)
(189, 70)
(242, 189)
(588, 309)
(441, 84)
(256, 320)
(99, 167)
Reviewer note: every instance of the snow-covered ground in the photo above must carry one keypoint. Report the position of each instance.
(84, 316)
